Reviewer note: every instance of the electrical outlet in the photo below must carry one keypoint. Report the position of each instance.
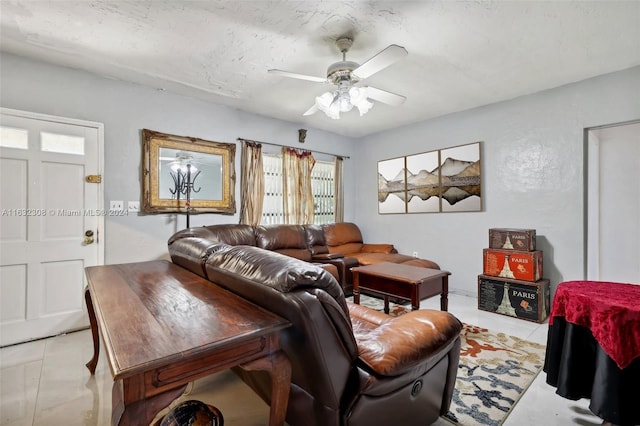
(116, 205)
(415, 254)
(133, 206)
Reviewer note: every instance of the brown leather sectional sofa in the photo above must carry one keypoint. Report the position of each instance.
(351, 366)
(337, 247)
(346, 238)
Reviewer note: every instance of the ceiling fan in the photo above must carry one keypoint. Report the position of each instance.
(345, 74)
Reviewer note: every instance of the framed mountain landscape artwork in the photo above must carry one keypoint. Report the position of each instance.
(392, 188)
(460, 182)
(445, 180)
(423, 183)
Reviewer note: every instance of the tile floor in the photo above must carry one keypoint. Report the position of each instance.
(46, 383)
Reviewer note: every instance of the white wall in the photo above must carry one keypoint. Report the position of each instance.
(532, 161)
(126, 108)
(532, 176)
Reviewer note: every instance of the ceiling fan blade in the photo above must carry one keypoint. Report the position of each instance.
(379, 62)
(385, 97)
(311, 110)
(298, 76)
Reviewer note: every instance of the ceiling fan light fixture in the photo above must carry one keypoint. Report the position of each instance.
(358, 97)
(364, 107)
(333, 103)
(345, 74)
(343, 101)
(327, 104)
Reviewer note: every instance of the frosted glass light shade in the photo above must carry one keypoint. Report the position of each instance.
(333, 103)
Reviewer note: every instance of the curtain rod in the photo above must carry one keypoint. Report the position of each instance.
(287, 146)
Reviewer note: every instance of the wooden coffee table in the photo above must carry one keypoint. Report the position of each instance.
(402, 281)
(164, 327)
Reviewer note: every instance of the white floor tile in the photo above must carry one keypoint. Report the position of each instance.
(46, 382)
(19, 392)
(540, 405)
(21, 354)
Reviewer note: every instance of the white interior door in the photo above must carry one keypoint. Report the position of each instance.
(47, 210)
(613, 234)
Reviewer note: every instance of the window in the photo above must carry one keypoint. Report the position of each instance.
(14, 138)
(64, 144)
(272, 211)
(322, 186)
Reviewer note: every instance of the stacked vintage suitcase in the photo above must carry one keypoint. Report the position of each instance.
(512, 282)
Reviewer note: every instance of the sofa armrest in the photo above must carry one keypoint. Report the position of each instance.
(327, 256)
(378, 248)
(192, 252)
(398, 345)
(330, 268)
(367, 316)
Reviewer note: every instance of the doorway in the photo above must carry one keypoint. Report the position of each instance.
(51, 222)
(613, 203)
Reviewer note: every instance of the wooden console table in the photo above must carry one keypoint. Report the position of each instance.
(403, 281)
(164, 327)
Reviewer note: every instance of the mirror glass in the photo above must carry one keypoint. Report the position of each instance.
(205, 170)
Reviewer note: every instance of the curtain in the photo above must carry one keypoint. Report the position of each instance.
(338, 191)
(252, 183)
(296, 190)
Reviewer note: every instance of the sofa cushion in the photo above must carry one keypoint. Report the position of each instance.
(393, 346)
(372, 258)
(280, 272)
(289, 240)
(346, 249)
(315, 239)
(232, 234)
(337, 234)
(378, 248)
(191, 253)
(423, 263)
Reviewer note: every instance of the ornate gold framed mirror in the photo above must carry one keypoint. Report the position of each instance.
(185, 174)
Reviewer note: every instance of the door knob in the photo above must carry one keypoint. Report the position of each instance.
(88, 237)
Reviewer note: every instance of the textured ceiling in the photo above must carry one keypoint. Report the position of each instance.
(462, 54)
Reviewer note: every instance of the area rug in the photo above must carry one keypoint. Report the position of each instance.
(494, 372)
(378, 304)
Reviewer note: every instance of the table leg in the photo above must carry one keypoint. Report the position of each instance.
(415, 297)
(356, 288)
(444, 297)
(386, 304)
(279, 367)
(130, 407)
(91, 365)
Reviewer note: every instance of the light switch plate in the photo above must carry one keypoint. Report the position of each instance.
(116, 205)
(133, 206)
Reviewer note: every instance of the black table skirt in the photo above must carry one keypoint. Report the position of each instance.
(578, 367)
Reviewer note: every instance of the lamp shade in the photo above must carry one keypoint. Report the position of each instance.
(325, 103)
(358, 97)
(343, 100)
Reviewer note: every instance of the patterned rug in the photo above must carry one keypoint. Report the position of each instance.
(378, 304)
(494, 372)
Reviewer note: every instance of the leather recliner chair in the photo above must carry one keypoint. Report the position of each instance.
(351, 366)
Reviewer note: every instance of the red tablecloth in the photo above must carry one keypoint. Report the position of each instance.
(610, 310)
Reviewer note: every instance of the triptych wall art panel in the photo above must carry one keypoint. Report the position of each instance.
(445, 180)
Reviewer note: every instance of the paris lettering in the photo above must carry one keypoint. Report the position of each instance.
(524, 294)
